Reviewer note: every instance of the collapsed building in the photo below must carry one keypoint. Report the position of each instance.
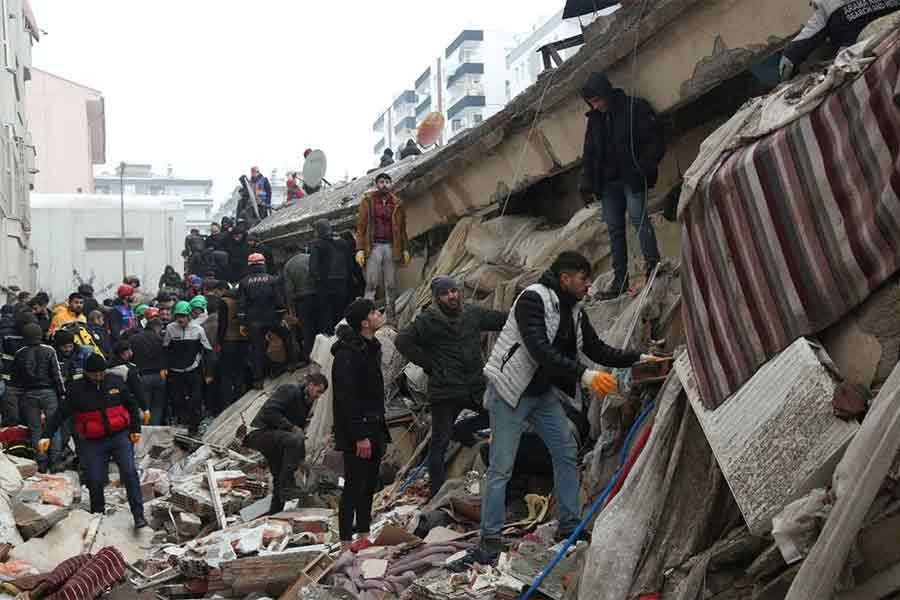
(762, 464)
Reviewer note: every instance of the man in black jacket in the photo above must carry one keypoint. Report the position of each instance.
(108, 424)
(149, 356)
(623, 146)
(121, 364)
(445, 340)
(330, 266)
(10, 343)
(360, 431)
(37, 368)
(277, 432)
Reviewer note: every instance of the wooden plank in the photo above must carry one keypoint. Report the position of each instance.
(313, 573)
(857, 480)
(214, 494)
(270, 574)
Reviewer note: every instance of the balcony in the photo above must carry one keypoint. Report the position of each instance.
(379, 124)
(379, 146)
(407, 97)
(423, 78)
(467, 35)
(462, 90)
(423, 107)
(464, 103)
(405, 123)
(466, 68)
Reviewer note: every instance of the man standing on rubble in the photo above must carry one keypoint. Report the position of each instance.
(538, 357)
(623, 146)
(186, 343)
(277, 432)
(445, 340)
(360, 431)
(108, 424)
(381, 241)
(330, 267)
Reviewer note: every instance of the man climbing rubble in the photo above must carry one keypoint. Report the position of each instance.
(538, 357)
(277, 432)
(360, 431)
(108, 424)
(445, 340)
(186, 346)
(841, 21)
(623, 146)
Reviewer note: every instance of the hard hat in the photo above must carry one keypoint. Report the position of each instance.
(125, 291)
(256, 259)
(152, 312)
(199, 302)
(141, 310)
(182, 308)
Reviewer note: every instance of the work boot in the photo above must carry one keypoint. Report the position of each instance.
(140, 522)
(618, 287)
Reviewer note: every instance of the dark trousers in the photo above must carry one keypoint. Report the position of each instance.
(95, 456)
(232, 371)
(35, 402)
(284, 451)
(360, 483)
(186, 393)
(157, 399)
(308, 309)
(443, 415)
(619, 199)
(258, 333)
(335, 303)
(12, 402)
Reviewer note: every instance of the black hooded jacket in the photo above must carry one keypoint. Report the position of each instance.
(623, 144)
(357, 391)
(287, 408)
(260, 297)
(558, 360)
(330, 262)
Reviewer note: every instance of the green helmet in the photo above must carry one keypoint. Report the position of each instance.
(182, 308)
(199, 302)
(140, 310)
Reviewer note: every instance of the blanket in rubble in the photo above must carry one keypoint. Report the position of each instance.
(788, 234)
(81, 577)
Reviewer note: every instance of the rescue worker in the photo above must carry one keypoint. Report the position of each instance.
(301, 294)
(387, 158)
(122, 320)
(261, 310)
(121, 364)
(170, 280)
(72, 358)
(330, 266)
(185, 343)
(277, 432)
(37, 369)
(445, 340)
(255, 245)
(233, 349)
(96, 325)
(73, 311)
(840, 21)
(108, 424)
(13, 340)
(381, 241)
(263, 190)
(198, 309)
(148, 355)
(623, 146)
(139, 314)
(360, 431)
(535, 360)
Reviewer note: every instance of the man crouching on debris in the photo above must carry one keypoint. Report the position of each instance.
(539, 355)
(359, 427)
(277, 432)
(445, 340)
(108, 424)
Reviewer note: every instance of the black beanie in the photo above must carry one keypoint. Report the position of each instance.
(32, 332)
(94, 364)
(62, 337)
(358, 311)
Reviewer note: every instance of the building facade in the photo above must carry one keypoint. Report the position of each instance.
(68, 125)
(140, 180)
(18, 31)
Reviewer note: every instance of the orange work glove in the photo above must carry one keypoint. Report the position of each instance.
(147, 417)
(43, 446)
(600, 382)
(164, 374)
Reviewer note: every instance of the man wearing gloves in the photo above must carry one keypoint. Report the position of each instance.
(381, 240)
(445, 340)
(539, 356)
(108, 423)
(186, 346)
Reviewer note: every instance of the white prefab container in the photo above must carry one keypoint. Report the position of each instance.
(76, 238)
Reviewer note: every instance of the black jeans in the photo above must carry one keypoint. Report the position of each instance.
(258, 344)
(157, 399)
(360, 483)
(233, 371)
(443, 415)
(284, 451)
(307, 308)
(333, 306)
(186, 393)
(11, 409)
(95, 455)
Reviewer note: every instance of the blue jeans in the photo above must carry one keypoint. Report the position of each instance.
(157, 397)
(549, 419)
(617, 198)
(95, 455)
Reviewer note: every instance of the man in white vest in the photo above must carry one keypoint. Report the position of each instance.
(542, 352)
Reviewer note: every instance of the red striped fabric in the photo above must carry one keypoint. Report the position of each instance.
(101, 571)
(790, 233)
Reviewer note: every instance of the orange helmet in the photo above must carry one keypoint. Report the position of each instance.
(256, 259)
(125, 291)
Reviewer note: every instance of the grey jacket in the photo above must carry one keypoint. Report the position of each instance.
(298, 281)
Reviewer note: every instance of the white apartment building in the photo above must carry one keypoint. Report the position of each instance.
(18, 31)
(140, 180)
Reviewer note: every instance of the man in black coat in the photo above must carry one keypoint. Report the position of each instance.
(360, 431)
(277, 432)
(445, 340)
(623, 146)
(331, 268)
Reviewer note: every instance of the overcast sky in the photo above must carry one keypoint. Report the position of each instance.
(217, 86)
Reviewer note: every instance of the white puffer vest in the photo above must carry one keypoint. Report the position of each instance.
(511, 367)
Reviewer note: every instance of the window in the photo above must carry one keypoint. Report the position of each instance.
(97, 244)
(456, 124)
(477, 118)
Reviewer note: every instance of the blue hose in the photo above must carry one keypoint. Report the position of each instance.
(595, 507)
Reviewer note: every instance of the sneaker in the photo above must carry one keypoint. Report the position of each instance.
(140, 523)
(485, 556)
(616, 288)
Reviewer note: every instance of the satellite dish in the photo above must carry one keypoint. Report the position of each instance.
(430, 130)
(314, 169)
